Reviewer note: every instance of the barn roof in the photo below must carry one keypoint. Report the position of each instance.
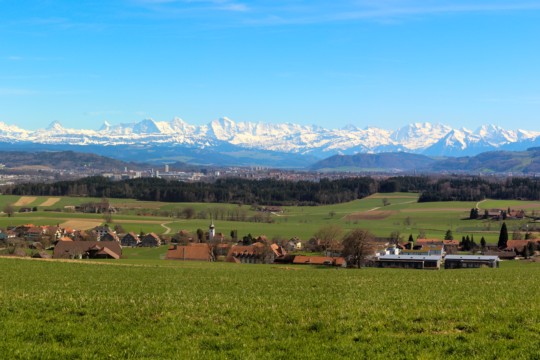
(471, 257)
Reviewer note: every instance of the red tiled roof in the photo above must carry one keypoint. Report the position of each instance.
(518, 245)
(201, 252)
(106, 251)
(318, 260)
(278, 250)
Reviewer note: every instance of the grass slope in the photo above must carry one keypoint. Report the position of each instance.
(403, 214)
(171, 309)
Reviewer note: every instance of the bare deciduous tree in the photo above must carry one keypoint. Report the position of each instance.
(9, 210)
(357, 246)
(328, 234)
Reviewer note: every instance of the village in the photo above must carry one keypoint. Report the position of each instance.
(105, 242)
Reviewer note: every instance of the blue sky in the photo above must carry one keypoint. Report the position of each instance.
(381, 63)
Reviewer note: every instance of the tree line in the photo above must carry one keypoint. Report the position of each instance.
(477, 189)
(283, 192)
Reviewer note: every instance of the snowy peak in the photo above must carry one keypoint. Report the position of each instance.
(496, 135)
(420, 135)
(5, 128)
(223, 128)
(105, 127)
(55, 126)
(290, 138)
(146, 126)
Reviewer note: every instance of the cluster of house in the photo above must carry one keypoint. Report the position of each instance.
(257, 253)
(107, 246)
(72, 243)
(32, 232)
(105, 243)
(500, 214)
(423, 254)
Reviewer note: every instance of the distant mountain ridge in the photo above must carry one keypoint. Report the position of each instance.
(520, 162)
(384, 162)
(502, 162)
(64, 160)
(278, 145)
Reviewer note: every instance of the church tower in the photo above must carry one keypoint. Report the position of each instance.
(211, 231)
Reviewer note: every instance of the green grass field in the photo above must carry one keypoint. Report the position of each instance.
(171, 309)
(403, 214)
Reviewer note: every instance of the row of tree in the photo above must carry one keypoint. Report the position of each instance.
(281, 192)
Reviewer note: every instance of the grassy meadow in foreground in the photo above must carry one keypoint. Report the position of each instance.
(171, 309)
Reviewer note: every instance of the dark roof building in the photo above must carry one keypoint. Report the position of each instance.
(130, 239)
(150, 240)
(470, 261)
(410, 261)
(109, 236)
(87, 250)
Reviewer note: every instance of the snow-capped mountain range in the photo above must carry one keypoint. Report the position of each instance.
(420, 138)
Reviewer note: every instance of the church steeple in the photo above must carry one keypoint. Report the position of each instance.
(211, 231)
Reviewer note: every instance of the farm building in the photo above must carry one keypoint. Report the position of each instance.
(501, 254)
(150, 240)
(130, 239)
(449, 245)
(409, 261)
(193, 252)
(42, 255)
(470, 261)
(519, 246)
(425, 250)
(101, 231)
(319, 260)
(109, 236)
(87, 250)
(256, 253)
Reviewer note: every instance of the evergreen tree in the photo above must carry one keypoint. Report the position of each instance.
(411, 239)
(247, 240)
(200, 234)
(530, 248)
(483, 242)
(526, 253)
(503, 237)
(448, 235)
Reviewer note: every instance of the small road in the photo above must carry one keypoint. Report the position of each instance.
(478, 204)
(167, 229)
(407, 202)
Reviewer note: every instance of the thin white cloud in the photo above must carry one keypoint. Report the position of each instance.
(16, 92)
(521, 100)
(321, 12)
(186, 5)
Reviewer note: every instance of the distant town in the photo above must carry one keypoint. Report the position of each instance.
(36, 174)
